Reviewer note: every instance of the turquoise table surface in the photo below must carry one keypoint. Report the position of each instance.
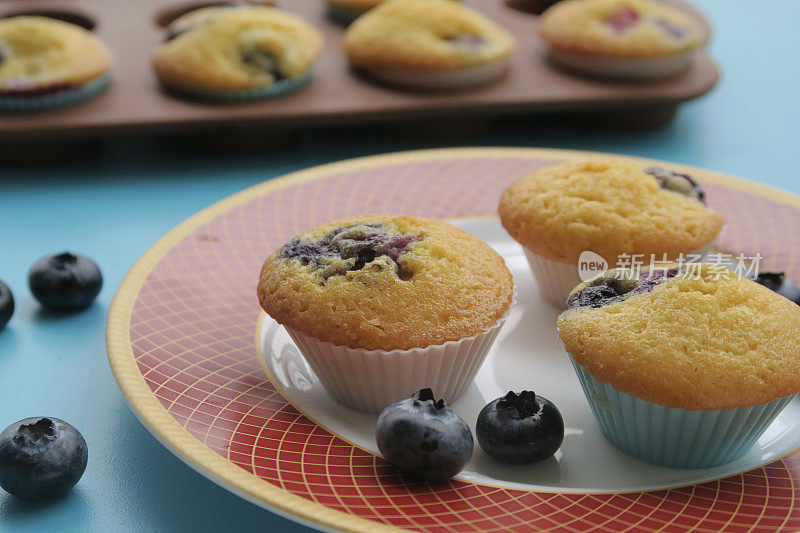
(114, 205)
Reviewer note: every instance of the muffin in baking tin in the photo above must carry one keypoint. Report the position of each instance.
(428, 44)
(237, 53)
(621, 39)
(47, 63)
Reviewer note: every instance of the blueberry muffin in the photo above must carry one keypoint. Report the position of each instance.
(624, 39)
(46, 63)
(428, 44)
(684, 366)
(381, 306)
(237, 53)
(610, 207)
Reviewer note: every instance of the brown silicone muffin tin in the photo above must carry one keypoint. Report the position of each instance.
(336, 94)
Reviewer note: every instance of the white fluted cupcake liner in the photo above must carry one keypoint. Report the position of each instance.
(623, 68)
(677, 438)
(57, 99)
(555, 280)
(369, 380)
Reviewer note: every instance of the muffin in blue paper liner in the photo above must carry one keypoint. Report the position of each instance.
(237, 53)
(56, 98)
(685, 366)
(46, 63)
(673, 437)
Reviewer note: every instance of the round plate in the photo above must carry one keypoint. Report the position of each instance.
(181, 344)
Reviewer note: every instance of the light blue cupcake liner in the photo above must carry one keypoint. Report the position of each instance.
(54, 100)
(257, 93)
(342, 15)
(673, 437)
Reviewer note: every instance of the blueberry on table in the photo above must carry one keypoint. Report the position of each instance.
(6, 305)
(779, 283)
(520, 428)
(424, 437)
(41, 458)
(65, 281)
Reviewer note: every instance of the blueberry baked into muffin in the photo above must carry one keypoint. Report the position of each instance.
(237, 53)
(47, 63)
(684, 366)
(383, 305)
(428, 44)
(611, 207)
(622, 39)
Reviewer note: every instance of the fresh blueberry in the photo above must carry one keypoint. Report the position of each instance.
(424, 437)
(41, 458)
(778, 282)
(520, 428)
(615, 287)
(6, 305)
(65, 281)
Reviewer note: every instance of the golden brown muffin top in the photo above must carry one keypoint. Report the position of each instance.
(608, 206)
(40, 52)
(704, 338)
(386, 282)
(425, 34)
(233, 48)
(620, 28)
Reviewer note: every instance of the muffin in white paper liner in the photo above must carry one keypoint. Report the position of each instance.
(624, 68)
(369, 380)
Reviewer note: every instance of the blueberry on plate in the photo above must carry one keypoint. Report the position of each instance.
(520, 428)
(65, 281)
(424, 437)
(6, 304)
(41, 458)
(779, 283)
